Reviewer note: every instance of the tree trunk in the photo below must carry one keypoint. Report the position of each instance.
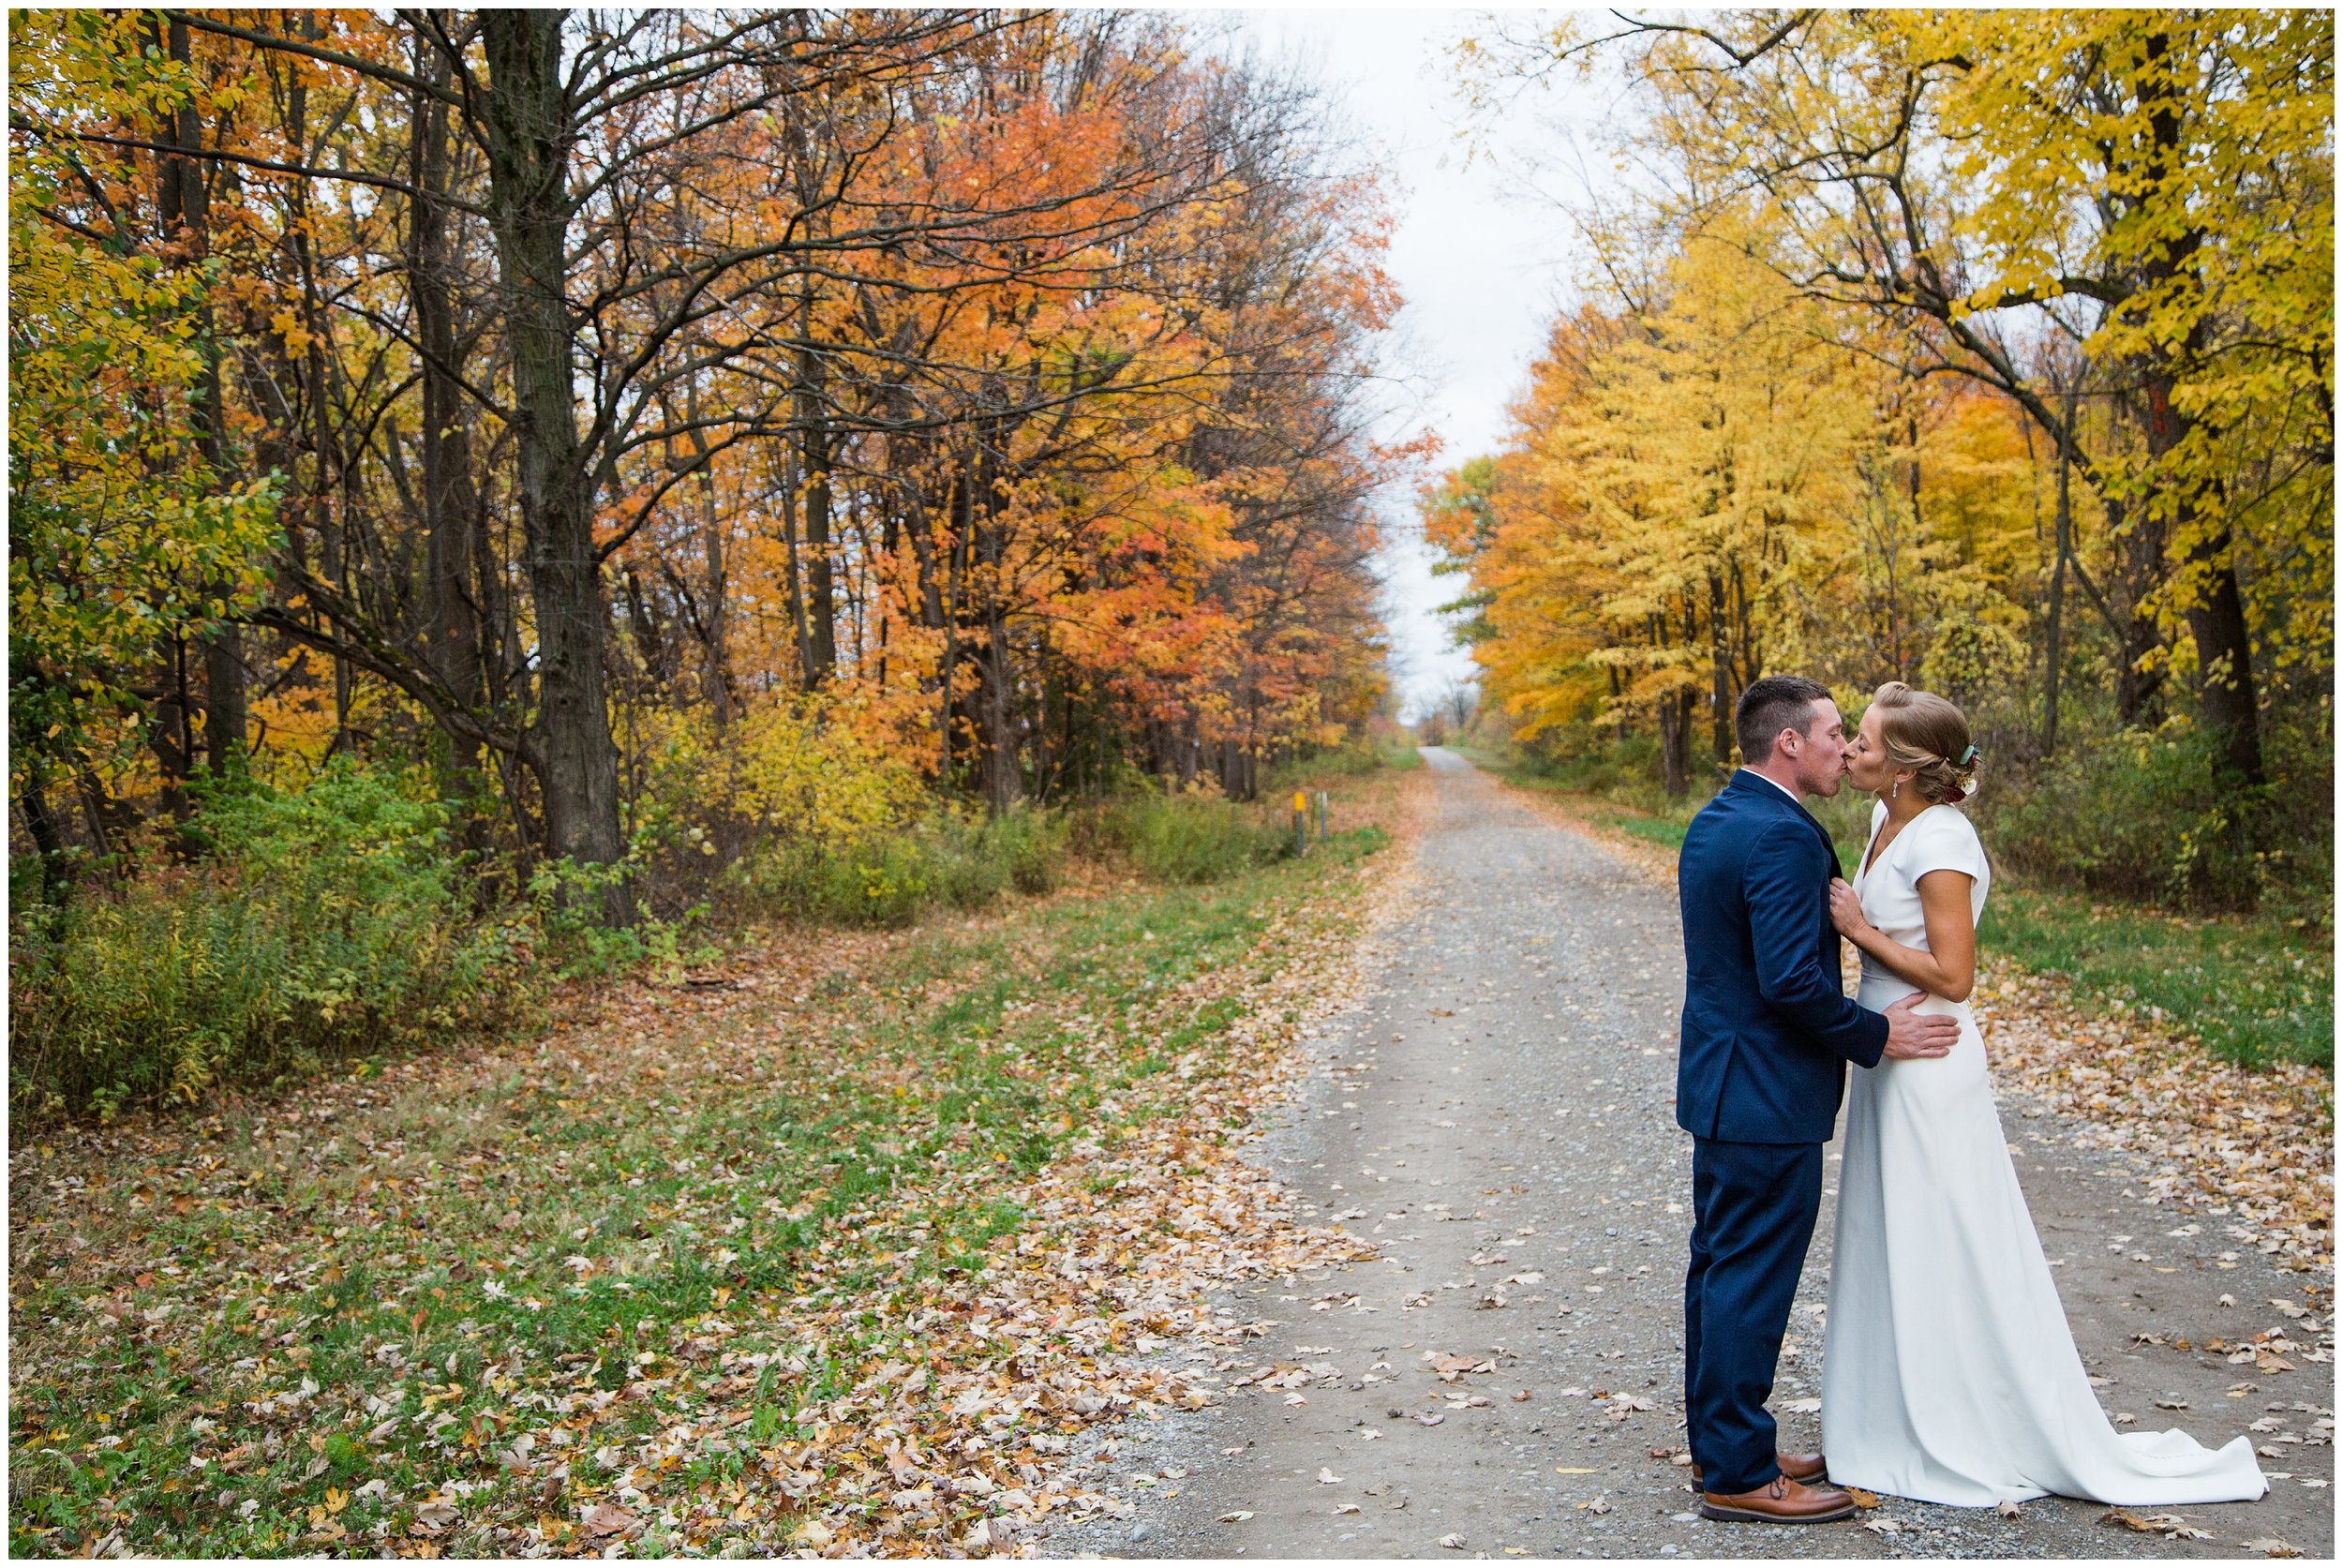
(1673, 738)
(2140, 683)
(450, 505)
(996, 717)
(2216, 619)
(528, 142)
(32, 799)
(1721, 674)
(2062, 537)
(185, 211)
(715, 588)
(814, 441)
(2216, 611)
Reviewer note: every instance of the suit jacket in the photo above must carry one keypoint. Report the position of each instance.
(1768, 1029)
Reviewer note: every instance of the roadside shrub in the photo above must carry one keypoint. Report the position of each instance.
(790, 768)
(891, 878)
(1367, 754)
(2139, 816)
(1185, 840)
(320, 923)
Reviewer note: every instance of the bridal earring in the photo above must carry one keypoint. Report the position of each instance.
(1895, 789)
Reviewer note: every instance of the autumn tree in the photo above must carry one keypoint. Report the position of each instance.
(2155, 185)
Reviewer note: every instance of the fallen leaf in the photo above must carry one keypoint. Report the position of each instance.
(1236, 1516)
(2006, 1508)
(1452, 1542)
(2176, 1527)
(608, 1519)
(1575, 1470)
(2270, 1546)
(1327, 1477)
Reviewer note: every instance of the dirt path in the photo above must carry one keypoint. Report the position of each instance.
(1498, 1117)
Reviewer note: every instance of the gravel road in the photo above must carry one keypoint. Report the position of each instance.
(1497, 1116)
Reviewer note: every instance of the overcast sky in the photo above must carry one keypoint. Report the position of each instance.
(1482, 269)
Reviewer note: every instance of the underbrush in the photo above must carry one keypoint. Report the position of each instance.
(327, 922)
(1185, 840)
(891, 878)
(2142, 817)
(299, 927)
(960, 862)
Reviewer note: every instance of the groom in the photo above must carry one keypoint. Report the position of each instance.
(1767, 1033)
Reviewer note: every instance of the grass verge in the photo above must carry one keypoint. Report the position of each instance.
(625, 1286)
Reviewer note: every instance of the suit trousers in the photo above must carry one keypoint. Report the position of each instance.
(1754, 1209)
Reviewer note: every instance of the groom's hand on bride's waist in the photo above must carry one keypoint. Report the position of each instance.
(1912, 1035)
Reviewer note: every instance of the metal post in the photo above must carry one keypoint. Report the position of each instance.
(1301, 824)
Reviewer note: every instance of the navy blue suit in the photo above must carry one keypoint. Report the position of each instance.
(1767, 1032)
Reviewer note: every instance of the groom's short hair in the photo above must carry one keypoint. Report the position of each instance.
(1770, 706)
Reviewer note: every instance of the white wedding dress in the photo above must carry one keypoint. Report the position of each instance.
(1950, 1374)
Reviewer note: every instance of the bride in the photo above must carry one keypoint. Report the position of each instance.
(1949, 1371)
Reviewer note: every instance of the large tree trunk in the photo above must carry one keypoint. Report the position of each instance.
(528, 144)
(2140, 566)
(450, 504)
(2216, 619)
(2216, 612)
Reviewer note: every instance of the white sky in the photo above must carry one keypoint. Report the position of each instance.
(1482, 268)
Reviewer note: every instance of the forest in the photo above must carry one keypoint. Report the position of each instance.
(1993, 358)
(488, 488)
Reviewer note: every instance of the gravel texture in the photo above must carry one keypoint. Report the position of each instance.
(1496, 1117)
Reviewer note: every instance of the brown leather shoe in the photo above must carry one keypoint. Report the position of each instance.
(1808, 1468)
(1779, 1502)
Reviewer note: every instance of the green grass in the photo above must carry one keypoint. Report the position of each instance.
(863, 1141)
(2257, 990)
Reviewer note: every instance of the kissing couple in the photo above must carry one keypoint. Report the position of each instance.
(1950, 1374)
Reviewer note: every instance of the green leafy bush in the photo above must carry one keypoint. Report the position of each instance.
(891, 878)
(2138, 816)
(322, 922)
(1187, 840)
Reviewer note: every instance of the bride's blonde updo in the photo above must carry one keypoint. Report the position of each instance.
(1929, 735)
